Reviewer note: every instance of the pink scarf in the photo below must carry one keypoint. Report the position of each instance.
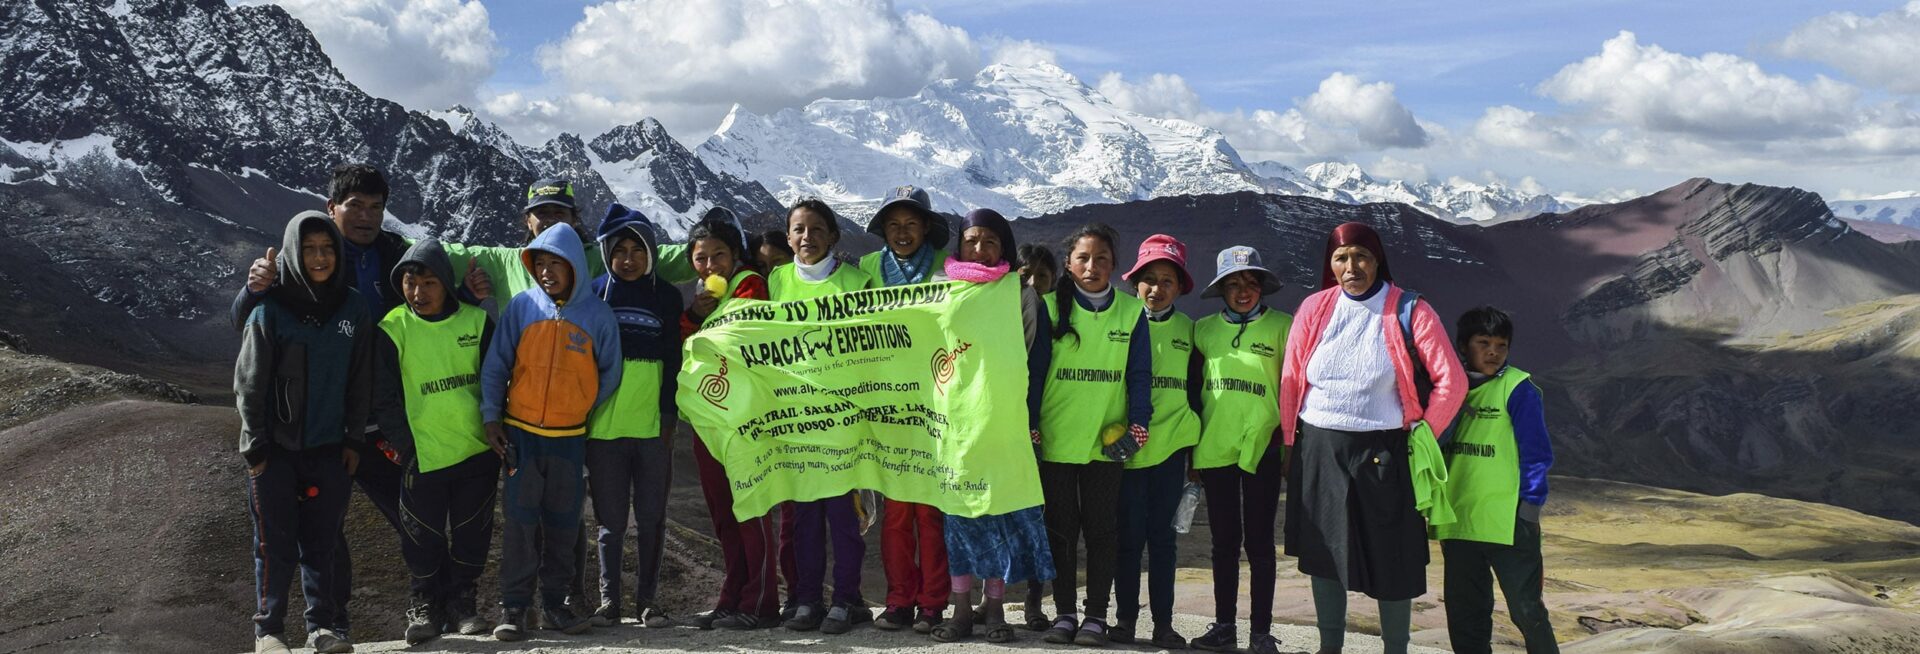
(972, 272)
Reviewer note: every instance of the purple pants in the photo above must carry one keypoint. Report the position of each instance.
(812, 522)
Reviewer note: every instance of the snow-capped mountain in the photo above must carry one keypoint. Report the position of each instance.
(638, 165)
(1034, 139)
(1024, 140)
(1894, 209)
(1455, 199)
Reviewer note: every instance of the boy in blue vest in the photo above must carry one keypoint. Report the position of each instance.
(1497, 460)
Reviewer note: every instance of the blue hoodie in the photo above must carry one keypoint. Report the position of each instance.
(550, 362)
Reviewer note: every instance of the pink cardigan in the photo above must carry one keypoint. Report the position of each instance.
(1429, 337)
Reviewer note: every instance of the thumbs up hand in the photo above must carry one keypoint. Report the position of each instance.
(260, 277)
(477, 282)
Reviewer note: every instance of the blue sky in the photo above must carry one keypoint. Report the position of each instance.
(1806, 93)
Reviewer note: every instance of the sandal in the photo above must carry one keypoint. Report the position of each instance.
(957, 629)
(994, 613)
(1036, 617)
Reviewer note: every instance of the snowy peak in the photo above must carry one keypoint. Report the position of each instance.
(627, 142)
(1340, 175)
(1901, 208)
(1022, 139)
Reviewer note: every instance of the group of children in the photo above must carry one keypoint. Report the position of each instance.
(359, 347)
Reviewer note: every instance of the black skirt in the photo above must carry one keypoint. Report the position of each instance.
(1350, 512)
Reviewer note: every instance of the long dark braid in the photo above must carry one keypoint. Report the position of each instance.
(1064, 287)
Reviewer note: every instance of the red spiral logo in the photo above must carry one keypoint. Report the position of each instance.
(714, 388)
(943, 366)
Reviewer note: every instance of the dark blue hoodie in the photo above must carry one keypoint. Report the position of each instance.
(648, 311)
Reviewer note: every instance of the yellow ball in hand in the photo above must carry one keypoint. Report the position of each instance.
(716, 285)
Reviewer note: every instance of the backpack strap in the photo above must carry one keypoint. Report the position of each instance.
(1422, 382)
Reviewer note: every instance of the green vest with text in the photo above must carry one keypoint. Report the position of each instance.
(1239, 388)
(1087, 382)
(440, 382)
(1175, 427)
(1483, 465)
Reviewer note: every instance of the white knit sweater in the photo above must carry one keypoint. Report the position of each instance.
(1350, 380)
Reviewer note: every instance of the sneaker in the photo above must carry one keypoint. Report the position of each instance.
(1219, 638)
(705, 621)
(606, 616)
(1120, 633)
(464, 613)
(1164, 637)
(328, 641)
(1093, 633)
(926, 620)
(513, 625)
(1263, 644)
(842, 618)
(787, 612)
(1062, 630)
(565, 621)
(743, 622)
(806, 617)
(271, 644)
(424, 621)
(654, 617)
(894, 619)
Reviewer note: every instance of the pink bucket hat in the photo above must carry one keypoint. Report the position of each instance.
(1161, 247)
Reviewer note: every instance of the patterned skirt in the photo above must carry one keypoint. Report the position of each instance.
(1011, 546)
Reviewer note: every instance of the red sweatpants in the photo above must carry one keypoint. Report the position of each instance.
(910, 529)
(750, 549)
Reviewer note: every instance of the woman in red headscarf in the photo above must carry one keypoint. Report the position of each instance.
(1348, 401)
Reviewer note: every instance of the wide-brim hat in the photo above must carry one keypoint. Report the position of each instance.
(938, 229)
(1241, 258)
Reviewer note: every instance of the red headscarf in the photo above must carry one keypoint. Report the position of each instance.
(1353, 234)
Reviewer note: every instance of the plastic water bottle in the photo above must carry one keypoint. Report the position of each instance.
(1189, 503)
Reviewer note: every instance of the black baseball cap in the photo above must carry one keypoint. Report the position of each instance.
(551, 190)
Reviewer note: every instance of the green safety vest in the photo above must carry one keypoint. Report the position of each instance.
(1483, 465)
(870, 264)
(633, 411)
(440, 382)
(785, 285)
(1086, 387)
(1239, 388)
(1175, 427)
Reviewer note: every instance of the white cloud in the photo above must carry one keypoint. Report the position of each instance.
(1508, 126)
(1390, 168)
(1716, 95)
(1370, 110)
(425, 54)
(1880, 50)
(1344, 115)
(687, 62)
(1020, 52)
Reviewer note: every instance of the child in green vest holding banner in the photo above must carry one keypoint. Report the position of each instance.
(1150, 487)
(1498, 455)
(750, 591)
(812, 231)
(629, 437)
(912, 548)
(428, 403)
(1094, 414)
(1238, 460)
